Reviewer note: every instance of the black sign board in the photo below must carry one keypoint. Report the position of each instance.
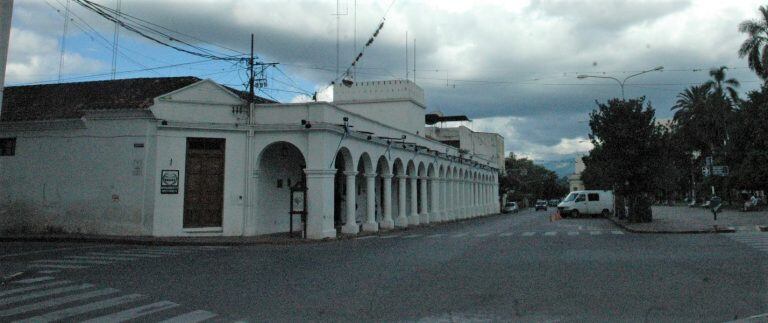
(169, 181)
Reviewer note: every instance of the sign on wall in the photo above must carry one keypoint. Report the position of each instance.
(169, 181)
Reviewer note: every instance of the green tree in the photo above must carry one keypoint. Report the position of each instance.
(628, 147)
(755, 47)
(749, 153)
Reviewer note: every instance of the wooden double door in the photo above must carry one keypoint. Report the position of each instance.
(204, 183)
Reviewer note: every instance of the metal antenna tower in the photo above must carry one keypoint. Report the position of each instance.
(63, 39)
(115, 40)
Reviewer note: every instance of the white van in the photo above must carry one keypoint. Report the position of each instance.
(586, 202)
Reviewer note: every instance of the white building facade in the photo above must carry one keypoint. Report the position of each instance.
(196, 160)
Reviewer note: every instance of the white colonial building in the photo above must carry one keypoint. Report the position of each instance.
(187, 157)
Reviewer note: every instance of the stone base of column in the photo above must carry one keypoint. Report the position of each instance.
(401, 221)
(350, 228)
(435, 217)
(424, 218)
(413, 219)
(371, 227)
(387, 224)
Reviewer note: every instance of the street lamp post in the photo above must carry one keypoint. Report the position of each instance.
(622, 82)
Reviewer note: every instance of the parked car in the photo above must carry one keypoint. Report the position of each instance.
(586, 202)
(510, 207)
(541, 205)
(553, 202)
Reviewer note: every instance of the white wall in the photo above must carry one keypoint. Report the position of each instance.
(86, 180)
(489, 146)
(6, 12)
(397, 103)
(171, 155)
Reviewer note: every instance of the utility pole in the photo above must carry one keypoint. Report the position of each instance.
(250, 76)
(6, 13)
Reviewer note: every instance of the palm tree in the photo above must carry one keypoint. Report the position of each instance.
(717, 81)
(755, 47)
(690, 103)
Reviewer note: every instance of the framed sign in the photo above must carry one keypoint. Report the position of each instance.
(169, 181)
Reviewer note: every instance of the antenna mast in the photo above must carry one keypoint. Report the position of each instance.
(115, 40)
(63, 38)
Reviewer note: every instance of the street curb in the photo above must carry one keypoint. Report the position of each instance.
(211, 241)
(705, 231)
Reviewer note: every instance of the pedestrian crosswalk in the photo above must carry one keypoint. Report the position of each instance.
(101, 258)
(49, 300)
(757, 240)
(508, 234)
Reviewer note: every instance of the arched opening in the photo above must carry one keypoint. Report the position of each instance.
(281, 166)
(382, 174)
(343, 164)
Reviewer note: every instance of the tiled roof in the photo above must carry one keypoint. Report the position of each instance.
(69, 100)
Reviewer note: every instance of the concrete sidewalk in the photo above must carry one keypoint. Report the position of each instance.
(681, 219)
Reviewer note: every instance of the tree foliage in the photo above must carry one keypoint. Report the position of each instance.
(527, 181)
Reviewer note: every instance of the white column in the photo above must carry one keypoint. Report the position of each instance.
(351, 226)
(424, 215)
(370, 224)
(456, 199)
(386, 208)
(434, 207)
(413, 218)
(463, 197)
(320, 203)
(402, 219)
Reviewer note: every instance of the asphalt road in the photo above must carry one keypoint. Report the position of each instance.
(519, 267)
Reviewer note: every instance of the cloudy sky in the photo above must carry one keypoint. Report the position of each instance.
(511, 66)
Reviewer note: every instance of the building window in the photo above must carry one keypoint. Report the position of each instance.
(7, 146)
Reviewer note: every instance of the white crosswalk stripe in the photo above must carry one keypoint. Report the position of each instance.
(33, 280)
(72, 262)
(460, 235)
(550, 233)
(437, 235)
(134, 313)
(480, 235)
(528, 234)
(60, 290)
(617, 232)
(573, 233)
(506, 234)
(55, 301)
(191, 317)
(77, 310)
(102, 258)
(594, 233)
(41, 265)
(121, 254)
(26, 289)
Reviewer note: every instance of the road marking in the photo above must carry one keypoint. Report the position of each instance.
(480, 235)
(365, 237)
(48, 271)
(57, 266)
(191, 317)
(550, 233)
(506, 234)
(436, 235)
(153, 252)
(129, 254)
(16, 299)
(528, 234)
(47, 250)
(102, 258)
(25, 289)
(72, 261)
(390, 236)
(594, 233)
(82, 309)
(33, 280)
(617, 232)
(134, 313)
(459, 235)
(573, 233)
(56, 302)
(411, 236)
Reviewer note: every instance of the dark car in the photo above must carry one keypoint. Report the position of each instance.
(541, 205)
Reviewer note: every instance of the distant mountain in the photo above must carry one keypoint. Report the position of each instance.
(561, 168)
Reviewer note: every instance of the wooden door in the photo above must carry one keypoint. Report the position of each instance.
(204, 183)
